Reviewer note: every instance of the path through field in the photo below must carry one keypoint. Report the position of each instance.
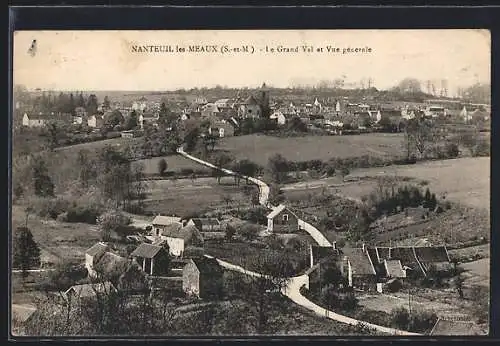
(292, 290)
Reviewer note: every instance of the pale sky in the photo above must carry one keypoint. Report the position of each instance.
(103, 60)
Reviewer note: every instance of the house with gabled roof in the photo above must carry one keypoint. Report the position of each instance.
(161, 223)
(89, 291)
(282, 220)
(203, 277)
(147, 255)
(206, 224)
(250, 108)
(180, 238)
(394, 269)
(35, 120)
(358, 267)
(318, 253)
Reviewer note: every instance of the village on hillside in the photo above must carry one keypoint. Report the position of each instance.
(307, 210)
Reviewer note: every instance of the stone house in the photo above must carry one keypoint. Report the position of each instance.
(180, 238)
(161, 223)
(38, 120)
(250, 108)
(89, 291)
(203, 277)
(147, 255)
(95, 121)
(282, 220)
(358, 267)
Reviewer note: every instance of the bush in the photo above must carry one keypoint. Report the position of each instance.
(112, 221)
(49, 207)
(86, 214)
(452, 150)
(249, 231)
(422, 321)
(400, 318)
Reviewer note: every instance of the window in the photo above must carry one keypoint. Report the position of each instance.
(249, 111)
(285, 217)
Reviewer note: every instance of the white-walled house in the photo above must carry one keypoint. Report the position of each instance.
(279, 117)
(34, 120)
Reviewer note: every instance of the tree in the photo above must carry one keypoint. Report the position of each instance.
(427, 199)
(409, 86)
(162, 166)
(249, 231)
(132, 121)
(247, 168)
(113, 119)
(81, 100)
(275, 269)
(106, 103)
(275, 194)
(53, 132)
(344, 171)
(42, 182)
(230, 232)
(92, 104)
(26, 253)
(86, 167)
(400, 318)
(278, 168)
(421, 134)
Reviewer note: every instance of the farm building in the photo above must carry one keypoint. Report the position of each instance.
(394, 269)
(221, 128)
(153, 259)
(35, 120)
(209, 110)
(178, 239)
(95, 121)
(358, 268)
(414, 260)
(206, 224)
(318, 253)
(282, 220)
(89, 291)
(161, 223)
(202, 277)
(250, 108)
(279, 117)
(451, 327)
(93, 255)
(21, 314)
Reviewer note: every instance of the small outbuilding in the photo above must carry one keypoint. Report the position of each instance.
(203, 277)
(282, 220)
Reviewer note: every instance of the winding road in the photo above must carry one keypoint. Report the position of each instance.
(292, 290)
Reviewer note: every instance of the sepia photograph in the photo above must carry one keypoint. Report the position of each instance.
(221, 183)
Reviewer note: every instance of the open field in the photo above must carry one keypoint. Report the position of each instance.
(465, 180)
(57, 240)
(185, 196)
(477, 272)
(259, 148)
(62, 162)
(176, 163)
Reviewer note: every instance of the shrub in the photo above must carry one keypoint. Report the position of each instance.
(162, 166)
(422, 321)
(49, 207)
(249, 231)
(86, 214)
(400, 318)
(112, 221)
(452, 150)
(187, 171)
